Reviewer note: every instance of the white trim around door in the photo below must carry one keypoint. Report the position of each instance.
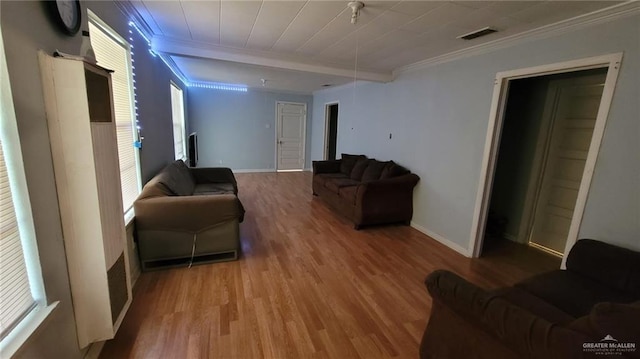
(303, 141)
(492, 142)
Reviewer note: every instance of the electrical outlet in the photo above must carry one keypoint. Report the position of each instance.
(220, 161)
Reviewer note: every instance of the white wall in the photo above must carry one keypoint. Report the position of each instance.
(237, 129)
(439, 117)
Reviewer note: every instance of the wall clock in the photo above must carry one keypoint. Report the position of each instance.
(66, 14)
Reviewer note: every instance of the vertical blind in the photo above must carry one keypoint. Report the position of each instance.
(16, 299)
(177, 113)
(115, 56)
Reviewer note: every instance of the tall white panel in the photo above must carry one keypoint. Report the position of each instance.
(82, 131)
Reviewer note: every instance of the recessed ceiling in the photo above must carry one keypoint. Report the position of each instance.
(210, 70)
(316, 39)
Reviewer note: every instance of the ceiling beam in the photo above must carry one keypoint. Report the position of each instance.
(171, 46)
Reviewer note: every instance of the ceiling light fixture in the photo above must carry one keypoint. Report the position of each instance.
(355, 8)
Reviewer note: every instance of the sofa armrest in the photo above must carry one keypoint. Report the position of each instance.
(191, 214)
(214, 175)
(331, 166)
(523, 332)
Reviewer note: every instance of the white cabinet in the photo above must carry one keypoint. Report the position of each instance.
(82, 131)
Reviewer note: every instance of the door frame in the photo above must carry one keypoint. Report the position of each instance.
(494, 131)
(326, 128)
(304, 136)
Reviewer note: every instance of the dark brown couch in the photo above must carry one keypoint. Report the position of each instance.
(365, 190)
(559, 314)
(188, 215)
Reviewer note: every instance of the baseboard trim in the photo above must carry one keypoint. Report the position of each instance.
(254, 170)
(456, 247)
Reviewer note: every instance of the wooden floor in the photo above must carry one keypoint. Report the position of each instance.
(306, 286)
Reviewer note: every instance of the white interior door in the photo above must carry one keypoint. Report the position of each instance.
(290, 129)
(573, 117)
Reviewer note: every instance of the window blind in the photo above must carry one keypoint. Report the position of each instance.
(177, 113)
(15, 291)
(113, 55)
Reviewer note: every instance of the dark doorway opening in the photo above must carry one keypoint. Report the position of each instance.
(331, 131)
(546, 135)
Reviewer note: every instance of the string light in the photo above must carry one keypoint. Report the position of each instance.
(138, 142)
(133, 25)
(176, 72)
(218, 86)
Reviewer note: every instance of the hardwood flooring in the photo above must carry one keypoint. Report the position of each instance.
(307, 285)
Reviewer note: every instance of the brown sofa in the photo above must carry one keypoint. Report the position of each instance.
(560, 314)
(188, 215)
(365, 190)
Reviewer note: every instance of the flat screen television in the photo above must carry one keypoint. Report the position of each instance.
(193, 150)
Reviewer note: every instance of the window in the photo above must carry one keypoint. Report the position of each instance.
(113, 53)
(22, 295)
(15, 288)
(177, 113)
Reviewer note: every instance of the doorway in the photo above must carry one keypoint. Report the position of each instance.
(291, 120)
(330, 130)
(558, 112)
(546, 134)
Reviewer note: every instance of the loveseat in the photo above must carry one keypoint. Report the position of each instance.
(188, 215)
(572, 313)
(366, 191)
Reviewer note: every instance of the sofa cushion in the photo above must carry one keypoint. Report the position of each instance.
(605, 263)
(572, 293)
(358, 169)
(332, 175)
(177, 178)
(349, 193)
(213, 188)
(348, 161)
(533, 304)
(393, 169)
(154, 188)
(335, 184)
(373, 170)
(322, 178)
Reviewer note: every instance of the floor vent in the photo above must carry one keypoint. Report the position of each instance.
(477, 33)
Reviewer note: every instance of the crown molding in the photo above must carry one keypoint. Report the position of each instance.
(163, 44)
(133, 15)
(175, 69)
(611, 13)
(280, 92)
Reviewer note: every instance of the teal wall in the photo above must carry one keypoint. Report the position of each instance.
(439, 117)
(237, 129)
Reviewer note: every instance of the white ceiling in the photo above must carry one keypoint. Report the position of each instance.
(201, 69)
(300, 45)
